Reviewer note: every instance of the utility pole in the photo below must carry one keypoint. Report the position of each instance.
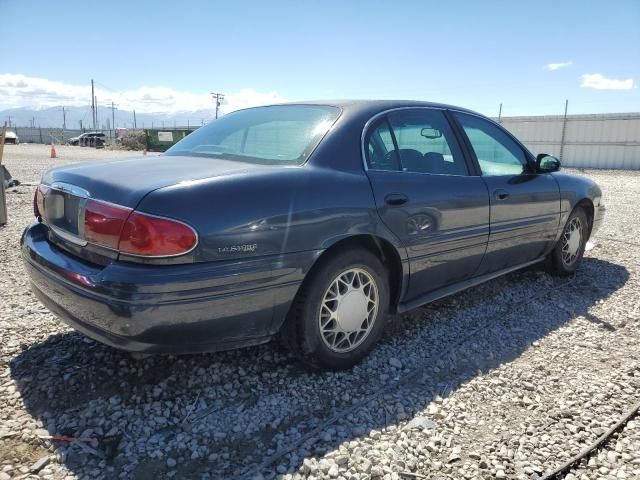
(135, 125)
(3, 201)
(64, 123)
(93, 105)
(219, 97)
(80, 124)
(113, 118)
(9, 118)
(500, 114)
(95, 122)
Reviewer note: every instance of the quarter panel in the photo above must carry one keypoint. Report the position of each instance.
(278, 211)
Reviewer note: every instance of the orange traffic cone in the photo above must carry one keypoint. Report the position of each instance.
(53, 151)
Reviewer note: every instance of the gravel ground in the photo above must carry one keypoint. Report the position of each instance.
(506, 380)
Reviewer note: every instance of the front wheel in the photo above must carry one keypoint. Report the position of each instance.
(567, 255)
(338, 314)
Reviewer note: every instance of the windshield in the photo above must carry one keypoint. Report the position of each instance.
(278, 135)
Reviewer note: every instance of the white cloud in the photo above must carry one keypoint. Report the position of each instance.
(557, 66)
(21, 91)
(599, 82)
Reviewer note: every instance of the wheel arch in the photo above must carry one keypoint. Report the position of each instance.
(383, 249)
(586, 204)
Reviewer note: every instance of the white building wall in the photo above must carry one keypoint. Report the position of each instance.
(609, 140)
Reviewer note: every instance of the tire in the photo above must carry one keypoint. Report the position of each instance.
(316, 305)
(566, 256)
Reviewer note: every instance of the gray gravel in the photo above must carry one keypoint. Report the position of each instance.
(506, 380)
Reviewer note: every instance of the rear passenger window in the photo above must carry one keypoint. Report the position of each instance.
(381, 152)
(426, 143)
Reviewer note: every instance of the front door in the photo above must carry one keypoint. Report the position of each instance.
(525, 206)
(426, 196)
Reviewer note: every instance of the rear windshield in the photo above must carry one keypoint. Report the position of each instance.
(279, 135)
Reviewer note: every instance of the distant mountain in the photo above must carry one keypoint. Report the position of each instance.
(52, 118)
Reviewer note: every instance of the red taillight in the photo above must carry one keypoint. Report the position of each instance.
(38, 200)
(36, 211)
(103, 223)
(150, 236)
(135, 233)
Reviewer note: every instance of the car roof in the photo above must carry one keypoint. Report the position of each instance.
(357, 106)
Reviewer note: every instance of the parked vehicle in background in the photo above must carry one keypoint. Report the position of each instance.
(74, 140)
(10, 137)
(89, 139)
(309, 221)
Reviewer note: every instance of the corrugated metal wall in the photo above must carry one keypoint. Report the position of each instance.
(610, 140)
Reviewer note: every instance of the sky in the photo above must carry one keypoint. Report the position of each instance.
(158, 56)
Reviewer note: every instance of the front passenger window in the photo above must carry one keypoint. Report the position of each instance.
(496, 152)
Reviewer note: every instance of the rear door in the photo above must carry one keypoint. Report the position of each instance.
(525, 205)
(426, 196)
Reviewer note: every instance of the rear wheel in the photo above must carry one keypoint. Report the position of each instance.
(567, 255)
(338, 314)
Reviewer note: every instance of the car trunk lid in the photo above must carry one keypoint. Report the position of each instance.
(123, 183)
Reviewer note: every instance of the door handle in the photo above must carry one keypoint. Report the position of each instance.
(396, 199)
(501, 194)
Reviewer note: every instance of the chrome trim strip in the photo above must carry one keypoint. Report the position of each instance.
(69, 188)
(68, 237)
(420, 173)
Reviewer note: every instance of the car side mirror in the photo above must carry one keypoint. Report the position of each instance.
(547, 163)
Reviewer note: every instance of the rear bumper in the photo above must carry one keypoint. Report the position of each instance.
(160, 309)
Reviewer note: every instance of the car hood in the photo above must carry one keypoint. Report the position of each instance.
(126, 181)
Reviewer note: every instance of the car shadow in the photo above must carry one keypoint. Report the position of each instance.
(220, 415)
